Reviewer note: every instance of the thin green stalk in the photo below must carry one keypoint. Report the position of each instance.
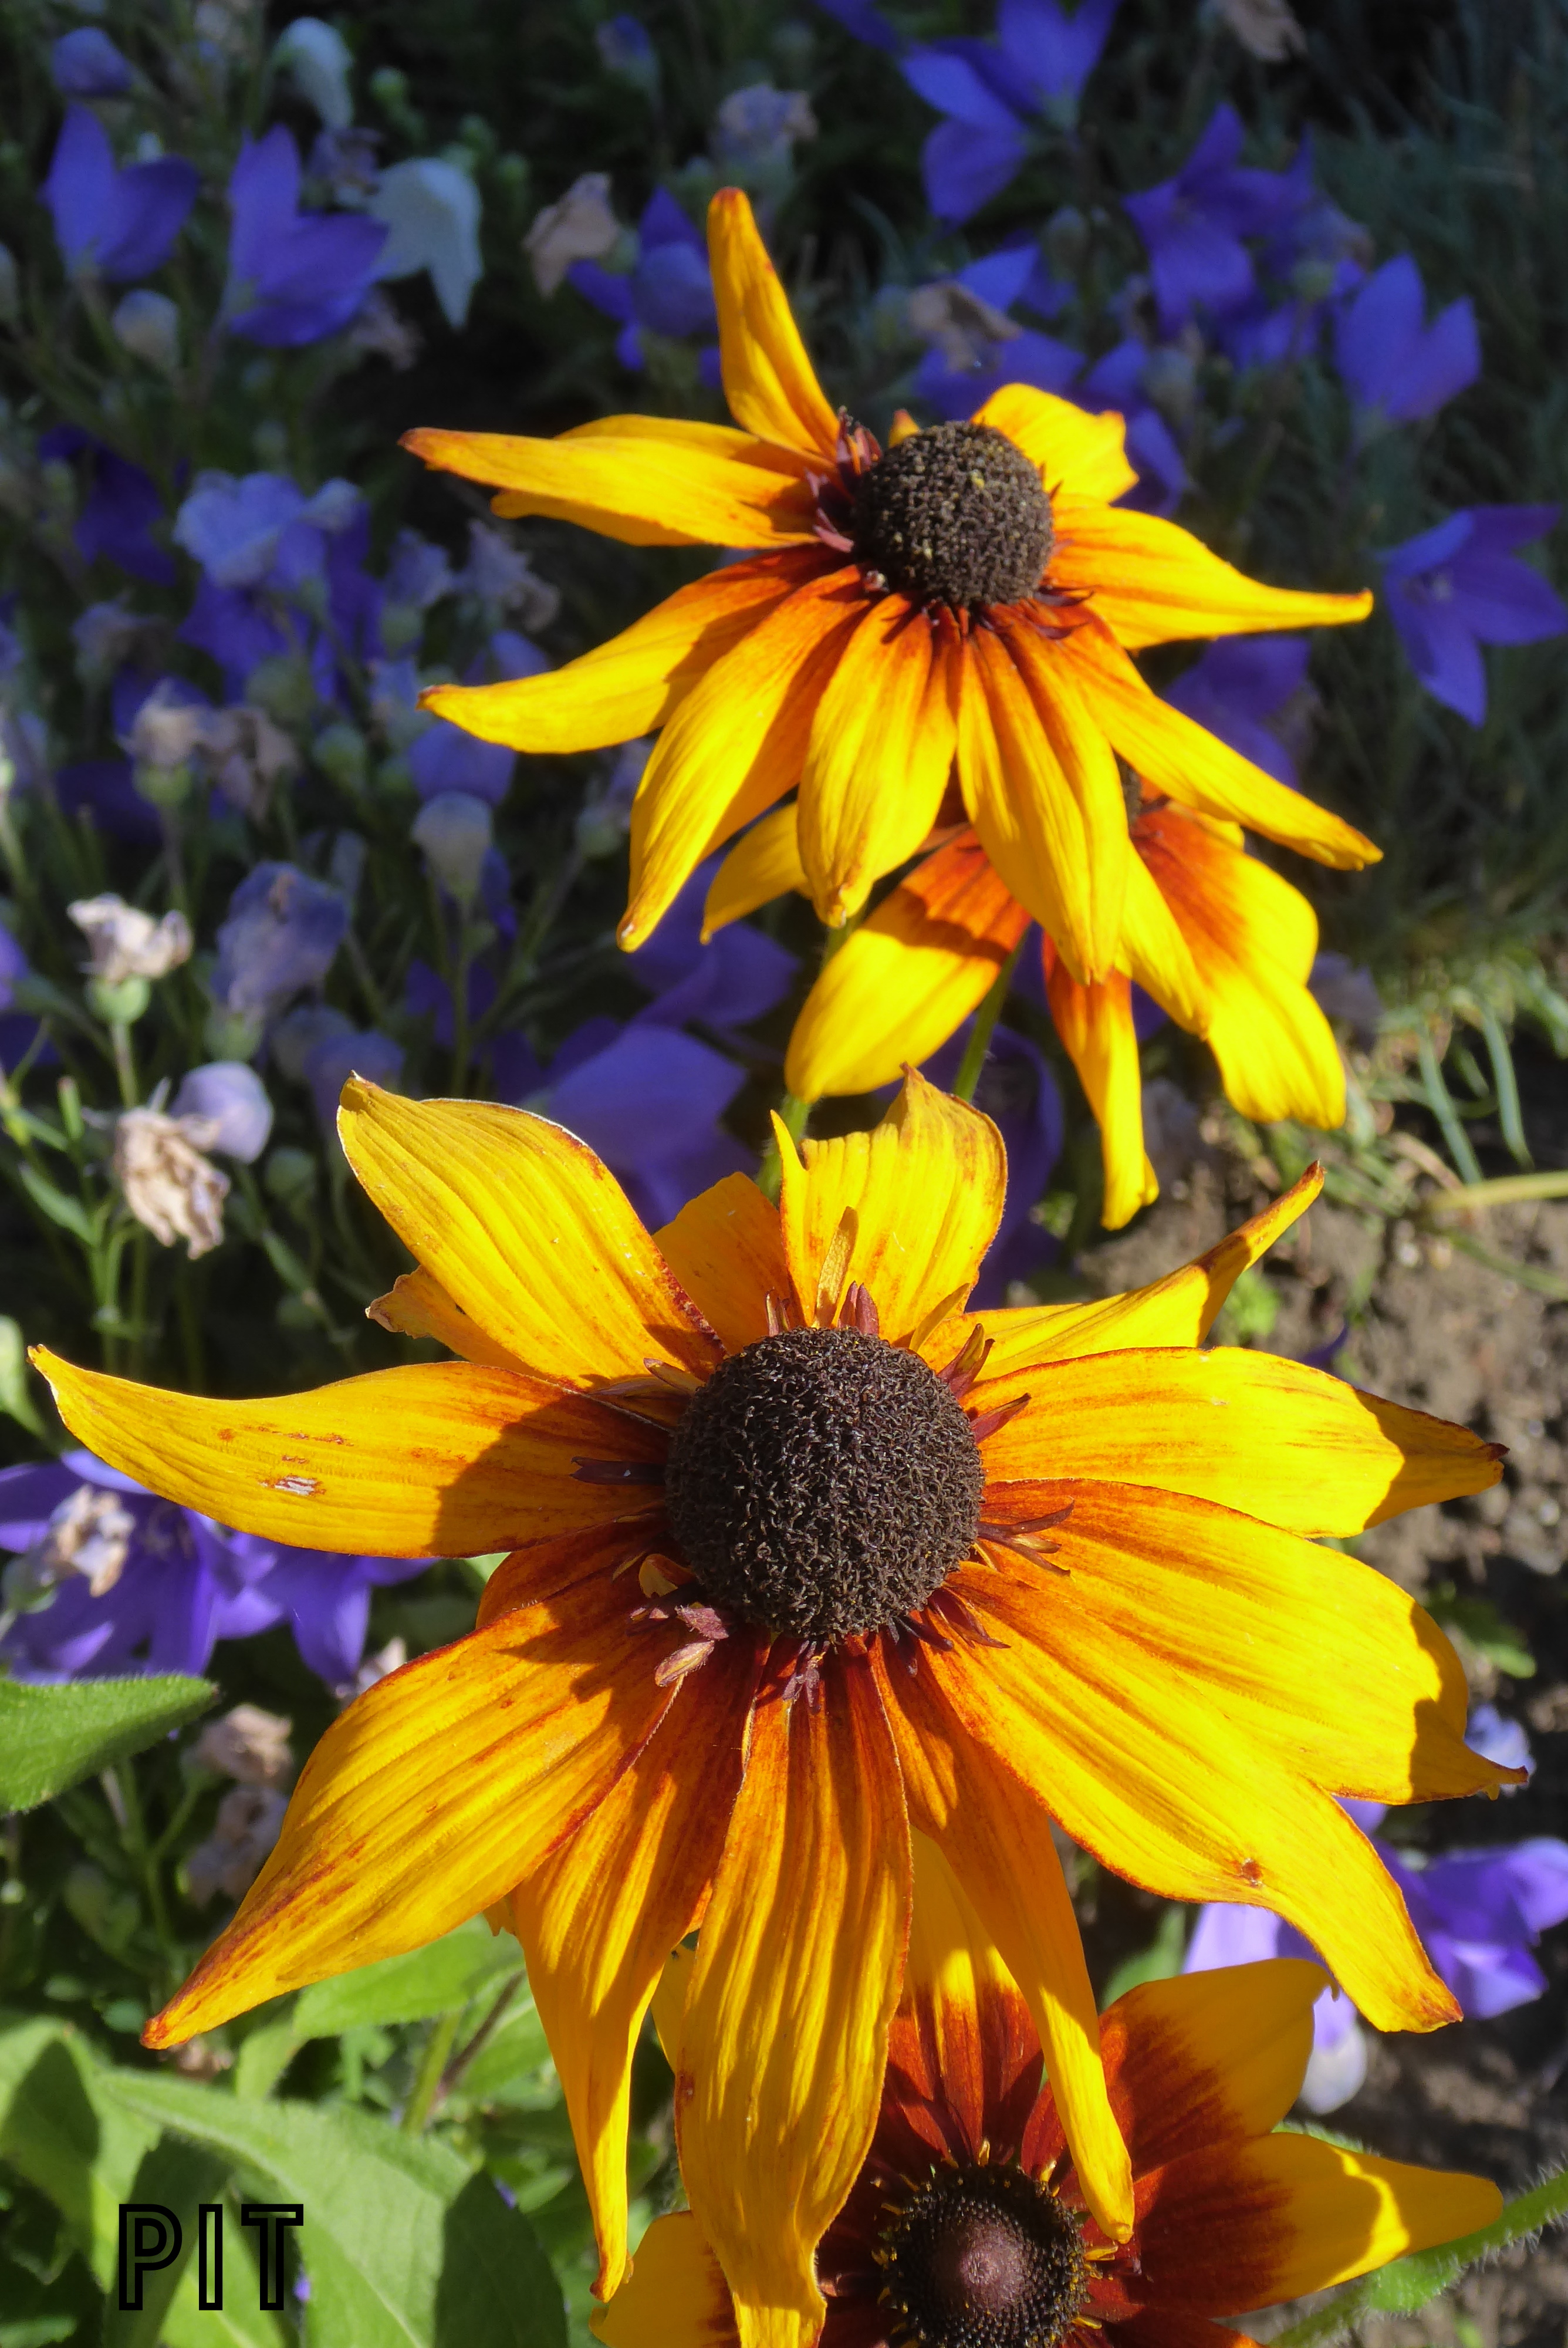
(1439, 1100)
(428, 2079)
(1509, 1115)
(122, 1782)
(984, 1028)
(474, 2045)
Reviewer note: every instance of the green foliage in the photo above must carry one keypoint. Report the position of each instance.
(52, 1737)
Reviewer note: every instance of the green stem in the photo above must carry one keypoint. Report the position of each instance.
(984, 1028)
(427, 2080)
(1440, 1102)
(474, 2045)
(145, 1860)
(793, 1115)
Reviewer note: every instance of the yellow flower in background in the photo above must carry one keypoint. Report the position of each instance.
(969, 596)
(803, 1554)
(968, 2224)
(1220, 942)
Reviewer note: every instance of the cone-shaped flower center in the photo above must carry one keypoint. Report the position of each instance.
(823, 1483)
(957, 515)
(983, 2258)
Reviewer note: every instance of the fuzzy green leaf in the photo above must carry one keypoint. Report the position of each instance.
(50, 1737)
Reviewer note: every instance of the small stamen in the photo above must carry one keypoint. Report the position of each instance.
(990, 1421)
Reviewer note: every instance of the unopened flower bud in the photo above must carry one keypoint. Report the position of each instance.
(119, 1002)
(148, 325)
(341, 752)
(231, 1097)
(1066, 240)
(454, 832)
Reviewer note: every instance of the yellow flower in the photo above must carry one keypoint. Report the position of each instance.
(803, 1553)
(972, 595)
(967, 2221)
(1222, 943)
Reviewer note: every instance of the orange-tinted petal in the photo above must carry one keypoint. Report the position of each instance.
(436, 1458)
(784, 2031)
(908, 1209)
(911, 973)
(1095, 1025)
(676, 2296)
(964, 2032)
(1155, 953)
(1079, 455)
(1177, 756)
(1253, 938)
(726, 1249)
(1151, 581)
(1248, 2224)
(764, 863)
(644, 489)
(880, 752)
(416, 1305)
(527, 1232)
(1206, 2058)
(1089, 767)
(599, 1917)
(1252, 1431)
(632, 684)
(769, 382)
(425, 1799)
(995, 1834)
(736, 743)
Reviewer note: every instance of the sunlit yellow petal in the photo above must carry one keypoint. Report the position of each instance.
(912, 972)
(736, 743)
(428, 1796)
(1095, 1025)
(643, 489)
(726, 1249)
(962, 2012)
(527, 1232)
(1089, 768)
(1150, 580)
(769, 382)
(908, 1209)
(632, 684)
(1081, 456)
(784, 2029)
(1155, 954)
(1020, 802)
(435, 1459)
(1205, 2056)
(762, 864)
(416, 1305)
(676, 2296)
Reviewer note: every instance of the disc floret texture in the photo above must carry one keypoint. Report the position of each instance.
(1147, 1646)
(982, 2257)
(956, 516)
(823, 1483)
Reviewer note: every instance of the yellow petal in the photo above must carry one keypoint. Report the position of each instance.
(736, 743)
(676, 2296)
(962, 2013)
(784, 2031)
(1175, 1310)
(416, 1305)
(996, 1836)
(917, 1201)
(634, 682)
(1095, 1025)
(599, 1917)
(1202, 2057)
(643, 489)
(428, 1796)
(436, 1458)
(912, 972)
(1089, 767)
(1253, 938)
(1248, 2224)
(1020, 802)
(726, 1249)
(880, 752)
(1156, 955)
(769, 381)
(1251, 1431)
(1079, 455)
(526, 1231)
(764, 863)
(1151, 582)
(1175, 755)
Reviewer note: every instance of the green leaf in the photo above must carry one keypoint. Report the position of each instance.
(404, 2246)
(179, 2177)
(1476, 1621)
(414, 1988)
(58, 2128)
(1158, 1961)
(15, 1399)
(60, 1208)
(239, 2322)
(51, 1737)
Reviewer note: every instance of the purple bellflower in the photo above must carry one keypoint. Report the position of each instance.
(86, 64)
(1398, 367)
(122, 504)
(107, 1579)
(293, 277)
(1194, 226)
(443, 759)
(865, 21)
(670, 292)
(283, 931)
(1461, 586)
(992, 91)
(975, 346)
(1237, 687)
(18, 1031)
(1117, 381)
(233, 1097)
(1478, 1912)
(123, 223)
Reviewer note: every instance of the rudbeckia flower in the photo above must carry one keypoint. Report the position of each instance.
(801, 1553)
(969, 596)
(969, 2222)
(1221, 943)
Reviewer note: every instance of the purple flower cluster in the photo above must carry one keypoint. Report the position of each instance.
(1461, 586)
(993, 93)
(668, 292)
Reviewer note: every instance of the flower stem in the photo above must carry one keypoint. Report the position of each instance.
(984, 1028)
(428, 2079)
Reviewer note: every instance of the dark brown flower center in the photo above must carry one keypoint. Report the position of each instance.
(983, 2258)
(823, 1483)
(956, 516)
